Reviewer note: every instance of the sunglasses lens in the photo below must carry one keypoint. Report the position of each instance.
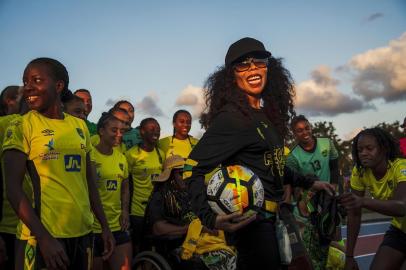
(242, 66)
(260, 63)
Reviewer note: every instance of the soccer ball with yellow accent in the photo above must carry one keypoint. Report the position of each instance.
(235, 188)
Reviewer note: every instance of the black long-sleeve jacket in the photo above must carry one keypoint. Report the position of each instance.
(234, 138)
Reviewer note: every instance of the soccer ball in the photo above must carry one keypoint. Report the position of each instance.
(235, 188)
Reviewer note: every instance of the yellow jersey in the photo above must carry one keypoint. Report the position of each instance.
(112, 170)
(143, 166)
(384, 188)
(173, 146)
(56, 152)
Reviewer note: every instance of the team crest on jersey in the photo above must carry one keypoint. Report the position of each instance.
(80, 132)
(403, 172)
(73, 163)
(47, 132)
(324, 153)
(121, 165)
(50, 145)
(111, 185)
(9, 133)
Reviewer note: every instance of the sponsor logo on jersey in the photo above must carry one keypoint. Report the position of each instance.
(51, 155)
(73, 163)
(403, 172)
(111, 185)
(47, 132)
(9, 133)
(80, 132)
(50, 145)
(121, 165)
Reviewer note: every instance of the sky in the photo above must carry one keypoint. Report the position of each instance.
(347, 58)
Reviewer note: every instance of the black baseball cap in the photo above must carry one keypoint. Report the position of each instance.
(243, 47)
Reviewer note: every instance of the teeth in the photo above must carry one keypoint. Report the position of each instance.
(32, 98)
(253, 78)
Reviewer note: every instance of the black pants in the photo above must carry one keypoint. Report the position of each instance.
(9, 240)
(257, 246)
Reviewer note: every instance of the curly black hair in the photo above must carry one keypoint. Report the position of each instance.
(385, 141)
(297, 119)
(221, 89)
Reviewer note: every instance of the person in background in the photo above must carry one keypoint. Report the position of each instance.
(312, 156)
(145, 162)
(9, 100)
(170, 215)
(84, 94)
(379, 169)
(180, 143)
(121, 115)
(74, 105)
(8, 217)
(402, 141)
(132, 136)
(112, 184)
(54, 148)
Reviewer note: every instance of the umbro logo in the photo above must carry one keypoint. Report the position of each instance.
(47, 132)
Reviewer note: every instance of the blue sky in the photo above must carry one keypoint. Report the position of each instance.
(158, 54)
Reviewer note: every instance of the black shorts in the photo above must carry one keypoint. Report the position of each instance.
(79, 250)
(138, 230)
(121, 238)
(395, 238)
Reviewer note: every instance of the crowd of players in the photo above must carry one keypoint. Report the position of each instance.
(80, 195)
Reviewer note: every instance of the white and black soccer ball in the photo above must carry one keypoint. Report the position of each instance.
(235, 188)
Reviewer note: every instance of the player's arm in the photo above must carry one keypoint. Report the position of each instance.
(97, 208)
(125, 205)
(163, 227)
(51, 250)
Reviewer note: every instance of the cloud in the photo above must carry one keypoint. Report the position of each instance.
(320, 96)
(381, 72)
(374, 16)
(148, 106)
(349, 136)
(192, 96)
(110, 102)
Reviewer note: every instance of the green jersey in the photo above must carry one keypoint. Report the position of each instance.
(313, 162)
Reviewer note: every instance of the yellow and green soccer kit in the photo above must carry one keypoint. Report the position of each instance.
(384, 188)
(111, 171)
(56, 152)
(143, 166)
(173, 146)
(95, 140)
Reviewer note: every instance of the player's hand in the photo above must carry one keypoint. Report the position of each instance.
(351, 201)
(320, 185)
(124, 220)
(350, 264)
(53, 252)
(108, 243)
(225, 222)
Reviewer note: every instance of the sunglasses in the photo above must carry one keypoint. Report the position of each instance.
(245, 65)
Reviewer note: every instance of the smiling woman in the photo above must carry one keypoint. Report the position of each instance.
(54, 148)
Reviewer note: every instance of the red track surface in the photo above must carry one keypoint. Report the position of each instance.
(368, 244)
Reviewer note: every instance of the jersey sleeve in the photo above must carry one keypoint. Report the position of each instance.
(16, 138)
(400, 171)
(333, 151)
(355, 181)
(225, 137)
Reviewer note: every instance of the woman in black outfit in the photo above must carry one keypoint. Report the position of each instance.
(249, 104)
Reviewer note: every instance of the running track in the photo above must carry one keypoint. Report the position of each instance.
(370, 236)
